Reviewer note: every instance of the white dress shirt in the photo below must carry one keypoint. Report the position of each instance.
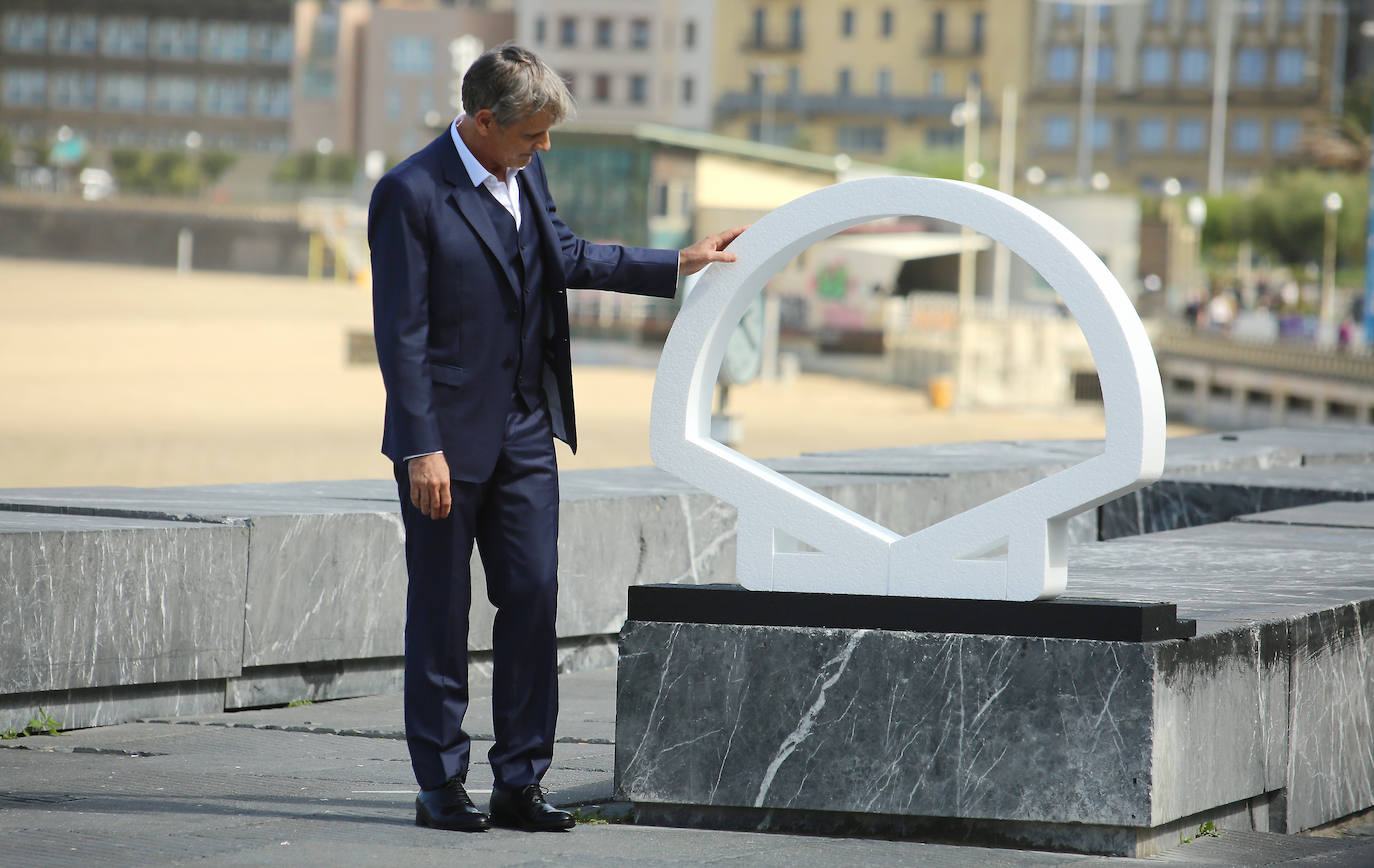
(507, 191)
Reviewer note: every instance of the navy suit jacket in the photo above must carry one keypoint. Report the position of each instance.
(442, 294)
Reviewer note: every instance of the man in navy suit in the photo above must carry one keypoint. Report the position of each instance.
(470, 269)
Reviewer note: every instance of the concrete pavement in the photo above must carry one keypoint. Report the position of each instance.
(330, 784)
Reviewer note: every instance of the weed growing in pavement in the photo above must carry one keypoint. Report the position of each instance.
(42, 724)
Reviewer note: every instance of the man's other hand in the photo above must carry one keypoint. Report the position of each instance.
(429, 485)
(710, 249)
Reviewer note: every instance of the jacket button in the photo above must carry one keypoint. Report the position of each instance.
(508, 362)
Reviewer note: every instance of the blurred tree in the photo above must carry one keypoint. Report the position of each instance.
(308, 167)
(213, 165)
(1286, 218)
(935, 162)
(6, 158)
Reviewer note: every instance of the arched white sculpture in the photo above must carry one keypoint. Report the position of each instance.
(851, 553)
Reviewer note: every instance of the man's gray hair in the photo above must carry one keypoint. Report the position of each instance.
(513, 83)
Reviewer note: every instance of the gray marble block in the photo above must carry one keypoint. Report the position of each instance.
(93, 601)
(1263, 720)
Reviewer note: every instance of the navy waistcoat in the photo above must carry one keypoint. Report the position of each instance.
(522, 254)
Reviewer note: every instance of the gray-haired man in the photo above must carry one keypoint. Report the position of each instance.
(470, 267)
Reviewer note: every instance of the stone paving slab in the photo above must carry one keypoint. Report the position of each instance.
(248, 788)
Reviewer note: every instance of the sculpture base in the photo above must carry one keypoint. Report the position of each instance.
(1064, 618)
(1121, 746)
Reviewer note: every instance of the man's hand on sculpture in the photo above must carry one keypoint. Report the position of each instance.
(710, 249)
(429, 485)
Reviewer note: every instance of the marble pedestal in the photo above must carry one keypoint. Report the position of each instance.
(1262, 721)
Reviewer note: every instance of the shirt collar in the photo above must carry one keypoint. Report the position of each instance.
(476, 171)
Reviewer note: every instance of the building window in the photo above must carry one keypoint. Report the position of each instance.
(1193, 66)
(1253, 12)
(639, 89)
(1154, 65)
(756, 82)
(884, 82)
(1063, 66)
(567, 31)
(174, 39)
(571, 81)
(73, 90)
(540, 30)
(1057, 134)
(1159, 11)
(1247, 137)
(393, 103)
(601, 87)
(1250, 66)
(411, 55)
(75, 34)
(25, 31)
(25, 87)
(174, 95)
(127, 93)
(124, 37)
(224, 97)
(1151, 134)
(847, 23)
(937, 33)
(271, 43)
(1104, 16)
(689, 34)
(946, 137)
(978, 33)
(639, 33)
(1290, 67)
(689, 86)
(842, 82)
(1285, 136)
(1197, 11)
(1106, 63)
(885, 23)
(937, 82)
(1190, 136)
(605, 32)
(272, 99)
(1293, 11)
(1102, 134)
(760, 25)
(224, 41)
(777, 134)
(794, 27)
(860, 137)
(1063, 12)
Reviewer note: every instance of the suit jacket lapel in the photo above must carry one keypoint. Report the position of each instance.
(465, 197)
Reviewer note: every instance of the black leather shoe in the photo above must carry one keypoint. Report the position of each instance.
(526, 809)
(449, 807)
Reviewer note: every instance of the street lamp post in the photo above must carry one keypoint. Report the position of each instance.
(968, 116)
(1196, 211)
(1332, 205)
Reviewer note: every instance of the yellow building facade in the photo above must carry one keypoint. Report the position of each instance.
(875, 79)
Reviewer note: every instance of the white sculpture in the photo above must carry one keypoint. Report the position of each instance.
(849, 553)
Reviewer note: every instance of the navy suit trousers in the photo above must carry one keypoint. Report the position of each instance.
(513, 518)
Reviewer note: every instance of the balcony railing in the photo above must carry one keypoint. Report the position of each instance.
(812, 104)
(776, 46)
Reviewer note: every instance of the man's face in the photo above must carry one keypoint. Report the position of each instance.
(512, 147)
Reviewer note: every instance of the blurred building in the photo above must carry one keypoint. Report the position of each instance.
(875, 79)
(146, 73)
(643, 61)
(1153, 116)
(385, 76)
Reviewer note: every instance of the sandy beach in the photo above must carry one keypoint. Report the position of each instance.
(115, 375)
